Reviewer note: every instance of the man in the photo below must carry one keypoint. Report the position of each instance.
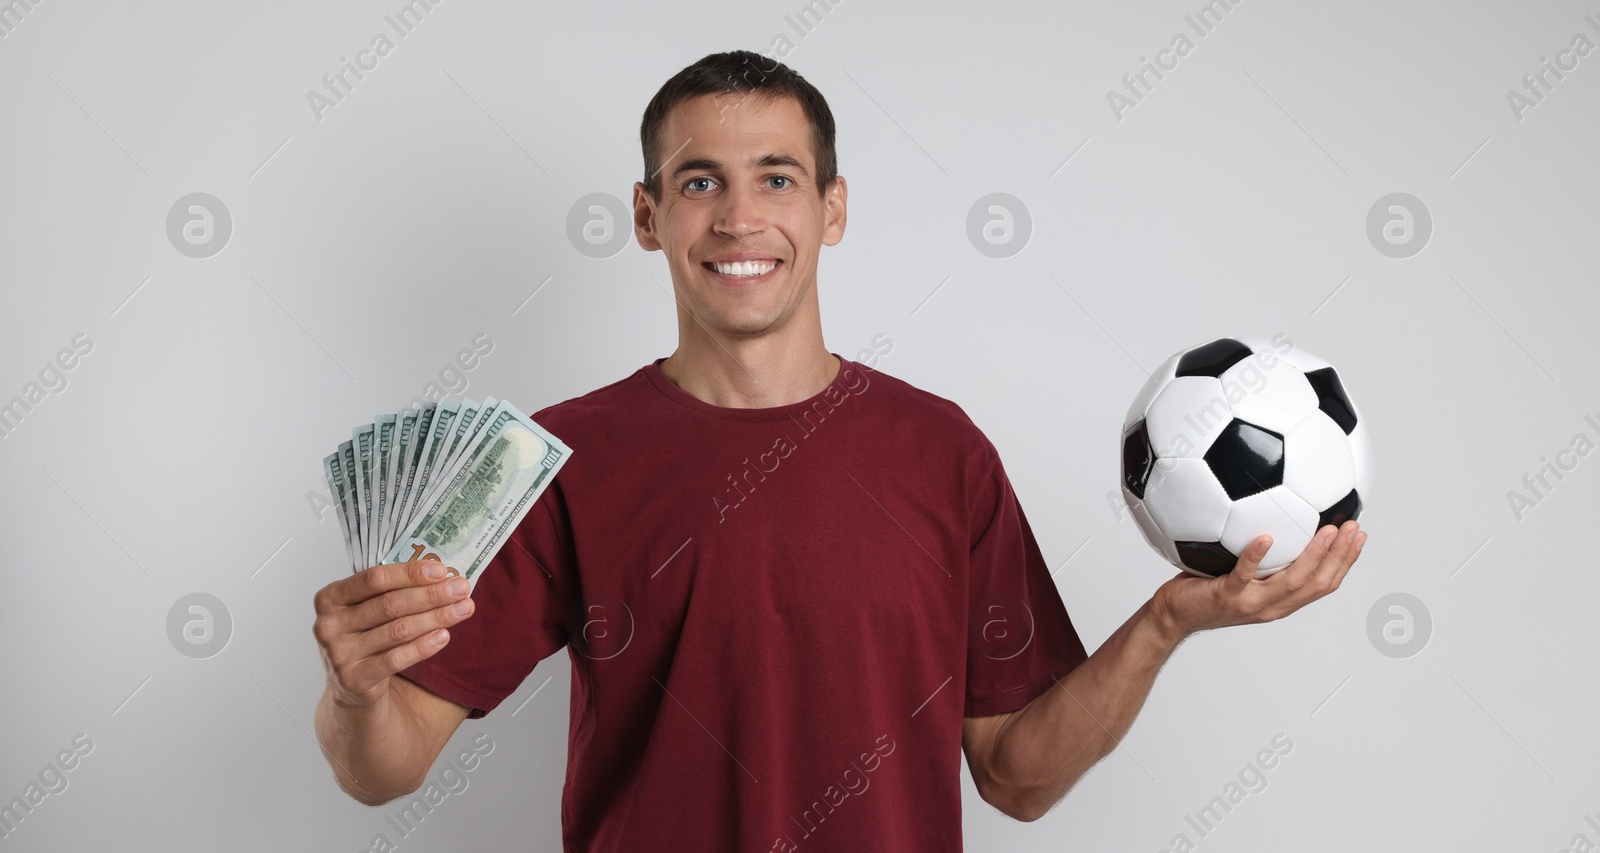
(789, 584)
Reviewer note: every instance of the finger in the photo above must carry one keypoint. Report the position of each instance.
(372, 670)
(1244, 571)
(1321, 546)
(1300, 572)
(1328, 555)
(370, 583)
(1343, 567)
(400, 603)
(1339, 552)
(381, 638)
(1323, 559)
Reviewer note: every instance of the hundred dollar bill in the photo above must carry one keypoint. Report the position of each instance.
(463, 426)
(471, 417)
(408, 464)
(362, 437)
(405, 424)
(466, 521)
(444, 422)
(333, 467)
(469, 433)
(381, 446)
(347, 456)
(469, 436)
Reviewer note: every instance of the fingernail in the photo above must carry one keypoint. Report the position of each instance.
(1327, 536)
(1351, 536)
(462, 607)
(433, 570)
(456, 586)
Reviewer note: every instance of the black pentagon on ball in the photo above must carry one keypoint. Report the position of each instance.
(1137, 459)
(1331, 398)
(1213, 358)
(1246, 459)
(1206, 557)
(1346, 508)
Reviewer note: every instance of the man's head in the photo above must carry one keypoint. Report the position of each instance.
(740, 193)
(731, 77)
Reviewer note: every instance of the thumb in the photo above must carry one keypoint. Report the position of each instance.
(1244, 571)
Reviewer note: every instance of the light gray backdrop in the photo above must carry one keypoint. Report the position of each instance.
(373, 238)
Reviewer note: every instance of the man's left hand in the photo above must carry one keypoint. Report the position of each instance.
(1187, 604)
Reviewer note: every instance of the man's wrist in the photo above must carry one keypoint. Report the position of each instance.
(1164, 622)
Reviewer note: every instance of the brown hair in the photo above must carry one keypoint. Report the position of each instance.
(745, 73)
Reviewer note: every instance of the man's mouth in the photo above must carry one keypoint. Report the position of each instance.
(743, 269)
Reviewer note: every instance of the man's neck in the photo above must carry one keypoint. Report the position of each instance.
(755, 374)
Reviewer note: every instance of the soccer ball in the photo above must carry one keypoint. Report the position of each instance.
(1239, 437)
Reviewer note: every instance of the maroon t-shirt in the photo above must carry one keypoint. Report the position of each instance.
(777, 618)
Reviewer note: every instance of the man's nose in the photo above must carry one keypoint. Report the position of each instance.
(740, 212)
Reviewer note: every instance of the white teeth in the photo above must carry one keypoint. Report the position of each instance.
(745, 268)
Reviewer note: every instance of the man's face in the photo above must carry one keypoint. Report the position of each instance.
(740, 219)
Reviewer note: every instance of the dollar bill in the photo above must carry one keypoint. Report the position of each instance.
(405, 424)
(449, 481)
(383, 425)
(466, 520)
(464, 421)
(444, 424)
(333, 467)
(347, 455)
(471, 417)
(362, 437)
(409, 458)
(469, 434)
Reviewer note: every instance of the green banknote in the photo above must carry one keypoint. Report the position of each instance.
(465, 520)
(448, 481)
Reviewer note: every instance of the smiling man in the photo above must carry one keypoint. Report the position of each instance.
(794, 589)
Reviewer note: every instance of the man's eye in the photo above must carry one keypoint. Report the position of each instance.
(783, 178)
(693, 182)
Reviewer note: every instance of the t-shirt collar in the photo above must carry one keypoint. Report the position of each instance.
(652, 372)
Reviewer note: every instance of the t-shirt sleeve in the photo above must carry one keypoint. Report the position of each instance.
(1020, 639)
(520, 617)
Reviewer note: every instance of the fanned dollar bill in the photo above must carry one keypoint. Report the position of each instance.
(382, 455)
(408, 460)
(464, 523)
(448, 482)
(351, 508)
(362, 438)
(333, 468)
(405, 423)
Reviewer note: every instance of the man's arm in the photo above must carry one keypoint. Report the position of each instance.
(381, 732)
(1025, 761)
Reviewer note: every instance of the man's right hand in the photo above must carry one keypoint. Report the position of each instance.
(382, 620)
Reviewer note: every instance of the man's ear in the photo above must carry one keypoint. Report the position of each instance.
(833, 215)
(644, 219)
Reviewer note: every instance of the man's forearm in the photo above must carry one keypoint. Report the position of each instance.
(374, 750)
(1043, 749)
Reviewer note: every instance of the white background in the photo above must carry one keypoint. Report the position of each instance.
(370, 246)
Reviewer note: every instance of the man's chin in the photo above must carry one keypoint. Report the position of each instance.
(740, 327)
(748, 330)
